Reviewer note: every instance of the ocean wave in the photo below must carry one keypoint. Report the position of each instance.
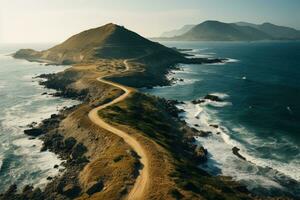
(198, 50)
(20, 116)
(207, 55)
(216, 103)
(231, 60)
(199, 53)
(175, 76)
(181, 69)
(255, 172)
(26, 105)
(2, 85)
(220, 95)
(184, 82)
(35, 167)
(213, 64)
(278, 163)
(1, 162)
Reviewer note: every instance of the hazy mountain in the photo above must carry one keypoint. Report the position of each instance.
(277, 32)
(178, 32)
(219, 31)
(241, 31)
(108, 41)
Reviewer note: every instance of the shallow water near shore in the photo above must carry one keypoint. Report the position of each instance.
(260, 112)
(21, 103)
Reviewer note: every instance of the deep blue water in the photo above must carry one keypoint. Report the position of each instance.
(261, 113)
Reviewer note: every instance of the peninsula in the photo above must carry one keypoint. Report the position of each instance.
(120, 143)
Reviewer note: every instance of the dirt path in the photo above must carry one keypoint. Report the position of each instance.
(140, 186)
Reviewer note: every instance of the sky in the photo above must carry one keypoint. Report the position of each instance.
(48, 21)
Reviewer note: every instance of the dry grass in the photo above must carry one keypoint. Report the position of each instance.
(172, 174)
(103, 147)
(162, 161)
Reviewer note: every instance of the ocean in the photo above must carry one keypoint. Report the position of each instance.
(259, 114)
(21, 103)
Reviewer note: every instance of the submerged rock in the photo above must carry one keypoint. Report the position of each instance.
(198, 101)
(235, 151)
(202, 133)
(32, 125)
(213, 98)
(34, 132)
(214, 125)
(11, 190)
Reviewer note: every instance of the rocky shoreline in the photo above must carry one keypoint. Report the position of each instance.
(66, 185)
(68, 149)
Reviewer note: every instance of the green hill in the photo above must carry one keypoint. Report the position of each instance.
(108, 41)
(151, 59)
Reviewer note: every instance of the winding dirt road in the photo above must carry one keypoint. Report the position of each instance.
(140, 186)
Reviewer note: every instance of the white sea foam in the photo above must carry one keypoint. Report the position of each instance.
(223, 161)
(185, 81)
(208, 55)
(23, 108)
(220, 95)
(218, 63)
(2, 84)
(217, 103)
(231, 60)
(176, 77)
(18, 115)
(1, 161)
(290, 168)
(204, 49)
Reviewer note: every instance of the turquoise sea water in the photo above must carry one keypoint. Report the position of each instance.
(260, 86)
(21, 103)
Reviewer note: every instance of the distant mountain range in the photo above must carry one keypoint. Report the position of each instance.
(241, 31)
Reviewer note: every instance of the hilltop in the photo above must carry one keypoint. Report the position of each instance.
(152, 60)
(241, 31)
(108, 41)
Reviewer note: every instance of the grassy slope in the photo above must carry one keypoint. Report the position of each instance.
(150, 116)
